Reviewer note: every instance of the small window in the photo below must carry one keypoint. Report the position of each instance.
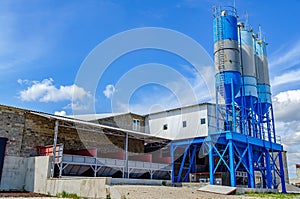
(184, 124)
(202, 121)
(165, 127)
(136, 124)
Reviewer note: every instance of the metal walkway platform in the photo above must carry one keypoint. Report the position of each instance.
(76, 165)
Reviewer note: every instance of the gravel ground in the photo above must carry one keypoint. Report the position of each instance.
(161, 192)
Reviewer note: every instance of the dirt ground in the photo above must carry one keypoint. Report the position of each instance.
(161, 192)
(17, 194)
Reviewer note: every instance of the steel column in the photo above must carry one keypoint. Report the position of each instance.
(251, 177)
(186, 150)
(54, 148)
(173, 163)
(282, 172)
(211, 163)
(268, 170)
(126, 156)
(231, 164)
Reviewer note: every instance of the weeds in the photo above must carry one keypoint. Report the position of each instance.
(273, 195)
(67, 195)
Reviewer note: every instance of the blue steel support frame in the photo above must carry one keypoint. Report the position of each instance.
(268, 169)
(251, 177)
(231, 163)
(211, 163)
(237, 151)
(172, 150)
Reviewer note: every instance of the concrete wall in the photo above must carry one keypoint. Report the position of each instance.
(84, 187)
(37, 174)
(21, 173)
(13, 175)
(285, 166)
(32, 174)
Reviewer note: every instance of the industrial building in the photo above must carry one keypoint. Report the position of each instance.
(232, 142)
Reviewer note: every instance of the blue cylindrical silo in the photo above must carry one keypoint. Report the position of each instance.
(226, 53)
(248, 95)
(263, 81)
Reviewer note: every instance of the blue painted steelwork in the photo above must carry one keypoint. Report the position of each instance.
(249, 92)
(263, 81)
(236, 146)
(226, 51)
(234, 152)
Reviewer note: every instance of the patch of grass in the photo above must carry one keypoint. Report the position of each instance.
(123, 197)
(164, 183)
(108, 196)
(273, 195)
(67, 195)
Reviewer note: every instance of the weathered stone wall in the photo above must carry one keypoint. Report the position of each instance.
(25, 131)
(12, 127)
(124, 121)
(38, 131)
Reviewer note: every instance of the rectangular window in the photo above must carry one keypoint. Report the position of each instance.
(184, 124)
(136, 124)
(165, 127)
(202, 121)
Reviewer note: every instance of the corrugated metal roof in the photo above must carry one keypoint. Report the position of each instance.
(138, 135)
(91, 117)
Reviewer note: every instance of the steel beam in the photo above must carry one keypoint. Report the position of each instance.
(211, 163)
(231, 164)
(251, 177)
(54, 148)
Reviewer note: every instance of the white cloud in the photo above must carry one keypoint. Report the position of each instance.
(285, 78)
(45, 91)
(286, 58)
(287, 106)
(60, 113)
(287, 116)
(109, 91)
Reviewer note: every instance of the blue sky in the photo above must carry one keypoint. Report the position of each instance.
(44, 43)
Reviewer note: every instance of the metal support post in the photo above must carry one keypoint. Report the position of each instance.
(211, 163)
(268, 170)
(54, 148)
(193, 162)
(273, 124)
(231, 163)
(186, 151)
(126, 157)
(173, 163)
(251, 177)
(269, 128)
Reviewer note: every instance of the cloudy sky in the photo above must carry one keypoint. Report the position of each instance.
(45, 46)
